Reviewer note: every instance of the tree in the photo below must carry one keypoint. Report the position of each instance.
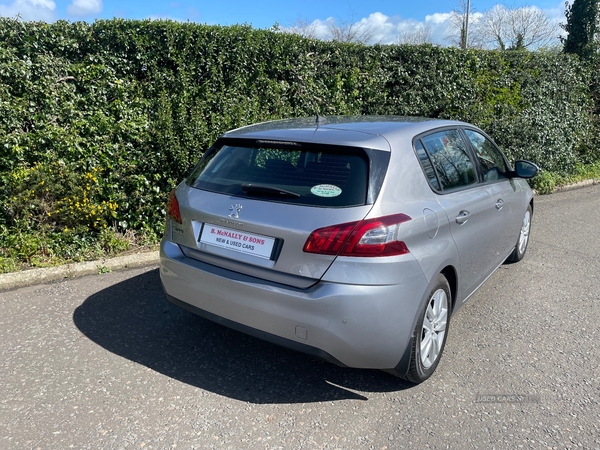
(304, 28)
(515, 28)
(340, 30)
(458, 27)
(421, 34)
(581, 27)
(347, 30)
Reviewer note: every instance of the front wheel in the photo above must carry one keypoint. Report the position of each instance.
(519, 251)
(430, 332)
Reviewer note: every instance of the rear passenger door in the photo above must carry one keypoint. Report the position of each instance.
(452, 172)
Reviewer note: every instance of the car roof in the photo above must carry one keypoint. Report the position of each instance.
(368, 131)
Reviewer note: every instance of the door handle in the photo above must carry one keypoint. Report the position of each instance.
(499, 204)
(462, 217)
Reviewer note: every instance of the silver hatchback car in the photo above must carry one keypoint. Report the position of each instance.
(353, 239)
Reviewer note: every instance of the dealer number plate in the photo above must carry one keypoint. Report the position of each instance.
(236, 240)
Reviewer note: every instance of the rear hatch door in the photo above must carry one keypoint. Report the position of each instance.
(250, 205)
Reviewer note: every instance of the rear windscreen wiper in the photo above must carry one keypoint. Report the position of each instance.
(258, 189)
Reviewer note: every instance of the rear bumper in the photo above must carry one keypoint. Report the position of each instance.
(294, 345)
(362, 326)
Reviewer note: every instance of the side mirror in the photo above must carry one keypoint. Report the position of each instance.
(525, 169)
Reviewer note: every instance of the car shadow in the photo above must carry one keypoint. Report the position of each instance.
(134, 320)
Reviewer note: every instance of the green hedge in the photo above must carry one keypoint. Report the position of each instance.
(99, 121)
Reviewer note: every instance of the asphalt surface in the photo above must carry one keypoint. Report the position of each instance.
(103, 361)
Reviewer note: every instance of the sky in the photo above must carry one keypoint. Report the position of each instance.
(389, 19)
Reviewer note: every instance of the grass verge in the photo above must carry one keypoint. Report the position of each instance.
(29, 249)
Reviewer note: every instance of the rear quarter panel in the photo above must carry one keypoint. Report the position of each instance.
(405, 190)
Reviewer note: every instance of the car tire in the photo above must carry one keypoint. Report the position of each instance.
(521, 247)
(430, 332)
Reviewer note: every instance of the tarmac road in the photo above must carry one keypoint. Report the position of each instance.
(104, 361)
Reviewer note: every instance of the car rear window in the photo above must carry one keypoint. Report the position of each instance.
(290, 173)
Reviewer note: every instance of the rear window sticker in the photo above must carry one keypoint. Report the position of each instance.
(326, 190)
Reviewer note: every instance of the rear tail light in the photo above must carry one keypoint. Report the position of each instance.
(367, 238)
(173, 208)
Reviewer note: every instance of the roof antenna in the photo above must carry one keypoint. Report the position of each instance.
(320, 119)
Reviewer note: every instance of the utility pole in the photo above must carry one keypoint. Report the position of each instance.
(466, 42)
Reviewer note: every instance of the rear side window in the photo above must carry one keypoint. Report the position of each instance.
(449, 156)
(427, 166)
(318, 176)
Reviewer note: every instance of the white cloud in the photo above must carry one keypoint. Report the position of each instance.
(84, 8)
(557, 16)
(438, 23)
(320, 28)
(438, 18)
(384, 27)
(44, 10)
(387, 29)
